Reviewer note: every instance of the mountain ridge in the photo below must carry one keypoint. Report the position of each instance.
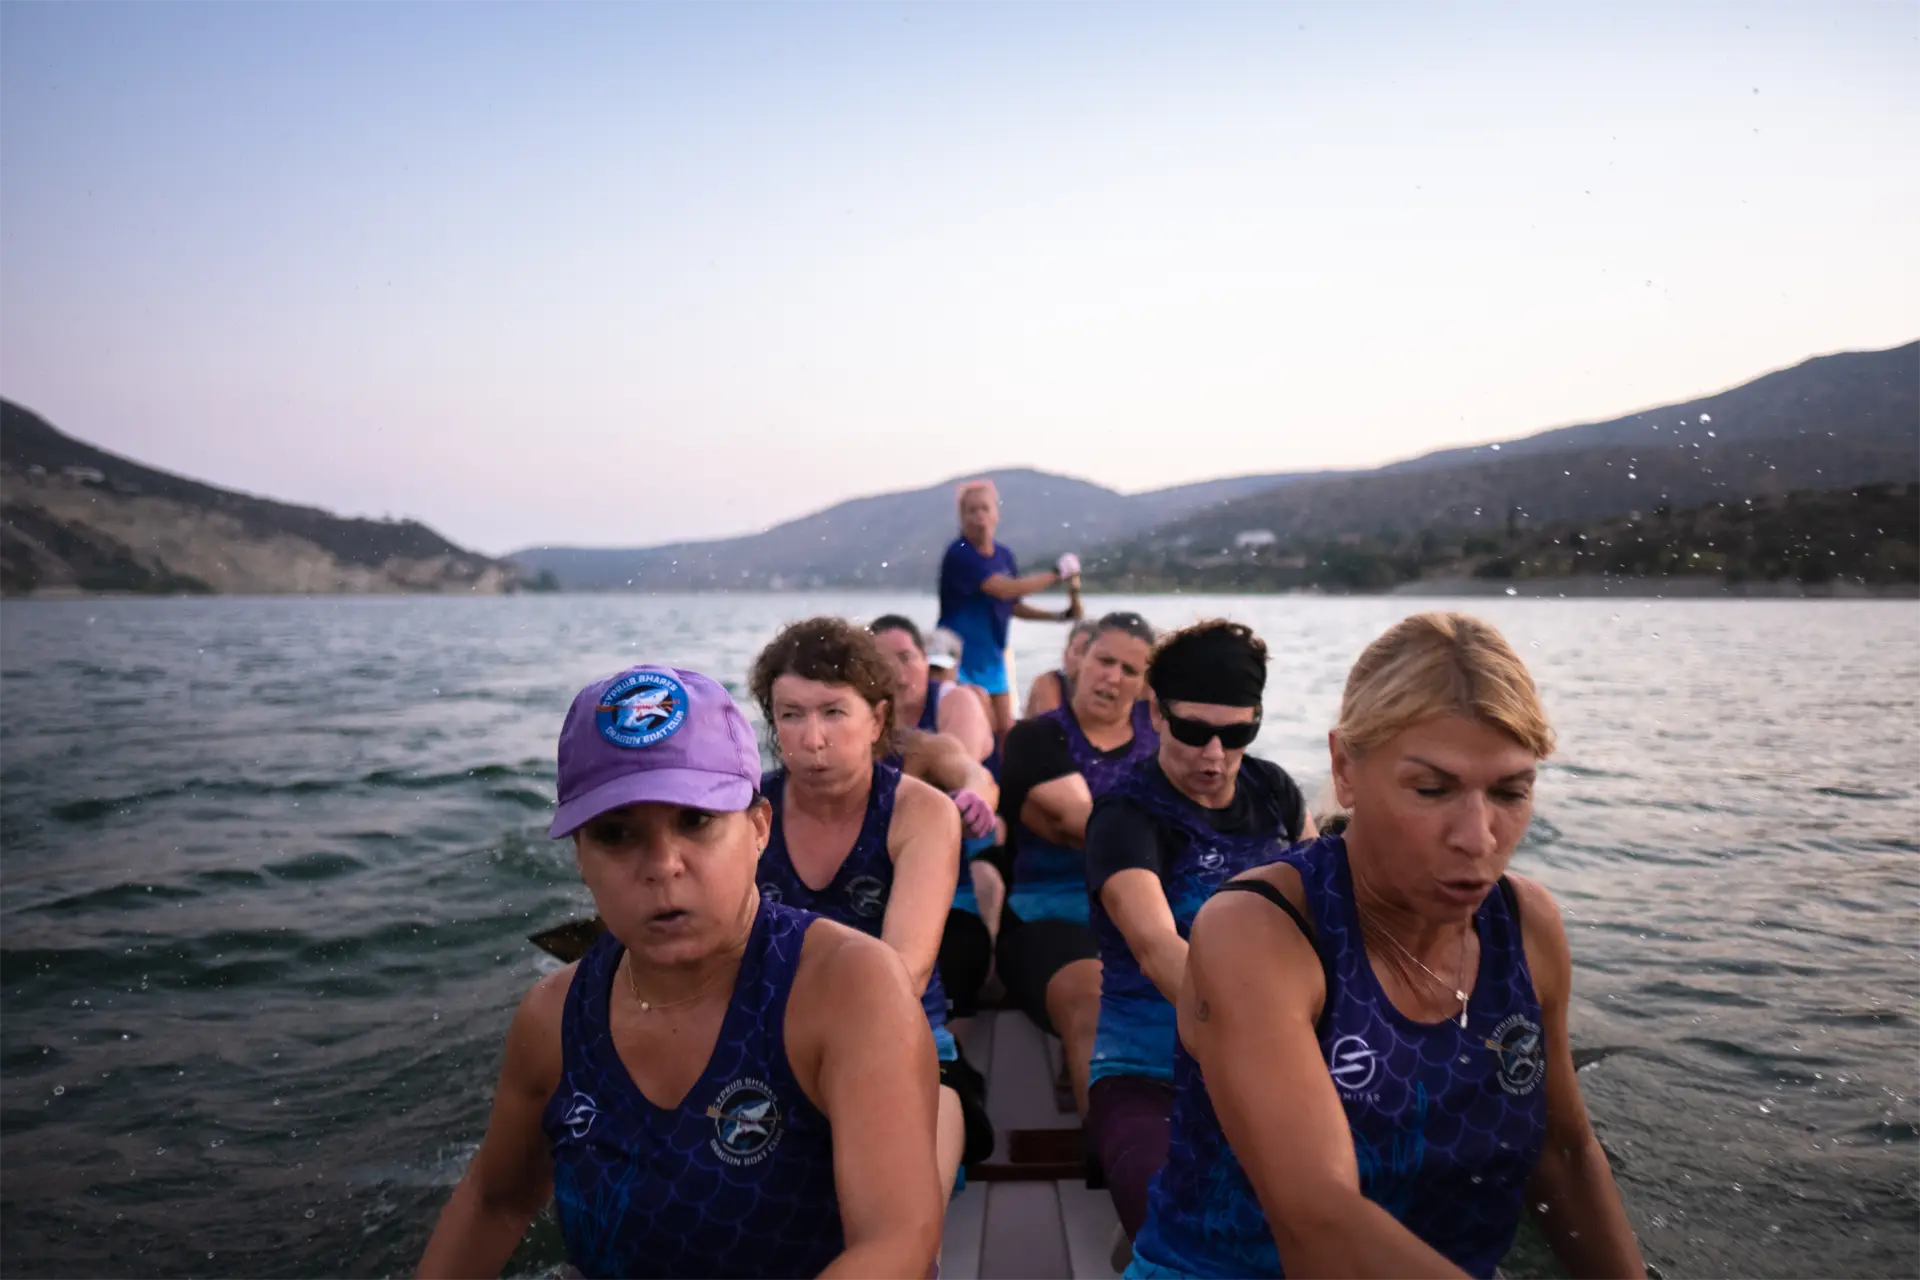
(1829, 421)
(75, 517)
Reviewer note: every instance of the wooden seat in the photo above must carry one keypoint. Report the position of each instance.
(1028, 1211)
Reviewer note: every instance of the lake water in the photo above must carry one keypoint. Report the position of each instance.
(269, 866)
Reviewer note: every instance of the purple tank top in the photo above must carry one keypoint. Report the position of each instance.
(1447, 1122)
(737, 1180)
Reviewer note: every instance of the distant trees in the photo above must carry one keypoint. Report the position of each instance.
(1868, 535)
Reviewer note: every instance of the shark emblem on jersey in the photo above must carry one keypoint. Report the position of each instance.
(1523, 1059)
(867, 896)
(746, 1122)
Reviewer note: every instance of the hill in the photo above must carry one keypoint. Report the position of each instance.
(893, 539)
(1865, 540)
(1831, 422)
(73, 517)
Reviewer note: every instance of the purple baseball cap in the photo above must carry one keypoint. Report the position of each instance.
(653, 734)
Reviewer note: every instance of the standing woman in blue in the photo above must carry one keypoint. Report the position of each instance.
(1374, 1075)
(851, 837)
(1055, 766)
(1169, 833)
(697, 1093)
(981, 590)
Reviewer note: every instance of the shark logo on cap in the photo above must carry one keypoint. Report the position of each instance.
(641, 708)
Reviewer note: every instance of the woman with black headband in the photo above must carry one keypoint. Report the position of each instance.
(1176, 827)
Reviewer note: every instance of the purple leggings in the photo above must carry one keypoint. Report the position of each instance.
(1127, 1119)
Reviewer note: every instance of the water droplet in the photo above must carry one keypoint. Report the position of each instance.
(1496, 448)
(59, 1089)
(309, 1213)
(1632, 476)
(1512, 592)
(1707, 417)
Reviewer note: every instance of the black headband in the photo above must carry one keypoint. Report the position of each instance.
(1218, 665)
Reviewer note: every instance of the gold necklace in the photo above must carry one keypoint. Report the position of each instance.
(648, 1006)
(1460, 985)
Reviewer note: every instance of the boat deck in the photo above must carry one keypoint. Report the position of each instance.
(1005, 1226)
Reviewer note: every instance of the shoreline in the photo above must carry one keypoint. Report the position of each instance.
(1583, 588)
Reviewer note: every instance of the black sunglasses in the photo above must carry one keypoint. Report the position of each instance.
(1198, 733)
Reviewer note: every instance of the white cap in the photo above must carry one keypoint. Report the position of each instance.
(943, 648)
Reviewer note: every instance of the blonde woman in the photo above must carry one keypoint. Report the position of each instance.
(981, 590)
(1373, 1073)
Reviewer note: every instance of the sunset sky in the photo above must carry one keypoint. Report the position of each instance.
(619, 274)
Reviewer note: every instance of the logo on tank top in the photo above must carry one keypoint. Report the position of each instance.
(1212, 861)
(581, 1113)
(746, 1122)
(1352, 1064)
(772, 893)
(867, 896)
(641, 708)
(1523, 1058)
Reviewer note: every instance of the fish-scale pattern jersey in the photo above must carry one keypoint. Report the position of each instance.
(1447, 1122)
(1050, 880)
(737, 1180)
(857, 895)
(1136, 1032)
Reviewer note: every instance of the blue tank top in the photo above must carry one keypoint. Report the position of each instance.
(1447, 1123)
(857, 895)
(735, 1181)
(930, 709)
(1137, 1023)
(1050, 880)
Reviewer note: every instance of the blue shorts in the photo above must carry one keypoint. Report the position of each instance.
(984, 667)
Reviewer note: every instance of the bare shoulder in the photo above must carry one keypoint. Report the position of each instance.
(922, 801)
(533, 1041)
(1533, 896)
(842, 968)
(1283, 876)
(1229, 921)
(1242, 948)
(546, 1000)
(847, 986)
(936, 759)
(1544, 935)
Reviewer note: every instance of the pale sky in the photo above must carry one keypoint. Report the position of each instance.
(619, 274)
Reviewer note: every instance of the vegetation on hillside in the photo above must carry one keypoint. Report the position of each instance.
(1869, 535)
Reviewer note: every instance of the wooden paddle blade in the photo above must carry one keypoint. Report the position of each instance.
(568, 942)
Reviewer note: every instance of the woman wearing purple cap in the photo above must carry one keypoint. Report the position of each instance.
(855, 839)
(722, 1085)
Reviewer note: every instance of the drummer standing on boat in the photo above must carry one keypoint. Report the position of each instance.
(981, 590)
